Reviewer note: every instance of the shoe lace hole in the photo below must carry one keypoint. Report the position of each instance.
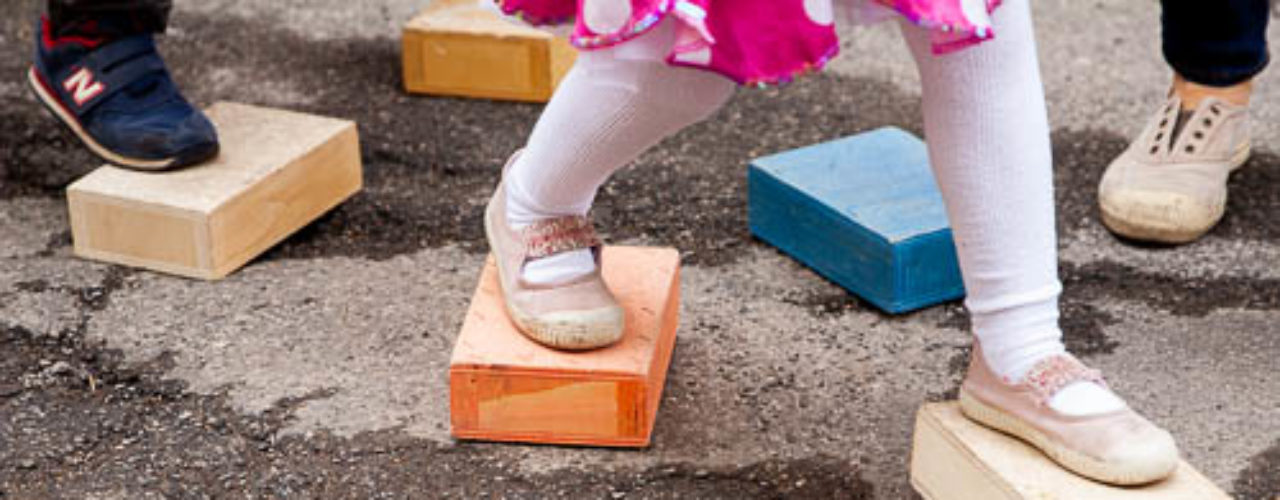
(1155, 149)
(1198, 135)
(1191, 149)
(1164, 123)
(1215, 110)
(1208, 122)
(1160, 136)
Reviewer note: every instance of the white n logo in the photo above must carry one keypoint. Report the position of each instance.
(82, 86)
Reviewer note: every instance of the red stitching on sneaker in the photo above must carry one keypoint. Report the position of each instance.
(50, 42)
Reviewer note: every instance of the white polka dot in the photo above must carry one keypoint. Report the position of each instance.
(606, 16)
(700, 57)
(976, 12)
(820, 12)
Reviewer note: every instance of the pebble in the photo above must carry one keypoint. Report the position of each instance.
(60, 368)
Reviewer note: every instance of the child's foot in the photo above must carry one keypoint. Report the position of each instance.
(577, 314)
(559, 268)
(1170, 185)
(1108, 444)
(118, 98)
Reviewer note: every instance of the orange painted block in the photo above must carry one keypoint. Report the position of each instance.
(460, 48)
(505, 387)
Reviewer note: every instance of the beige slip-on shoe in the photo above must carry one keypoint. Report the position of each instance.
(578, 315)
(1118, 447)
(1170, 185)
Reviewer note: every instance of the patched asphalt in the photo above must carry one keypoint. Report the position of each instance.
(318, 371)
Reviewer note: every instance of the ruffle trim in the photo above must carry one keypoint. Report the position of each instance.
(600, 41)
(956, 37)
(953, 36)
(783, 78)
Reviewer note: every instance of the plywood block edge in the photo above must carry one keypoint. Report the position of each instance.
(83, 205)
(343, 168)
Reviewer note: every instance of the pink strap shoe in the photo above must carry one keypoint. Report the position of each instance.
(577, 315)
(1119, 447)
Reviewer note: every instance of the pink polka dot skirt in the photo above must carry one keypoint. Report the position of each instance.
(753, 42)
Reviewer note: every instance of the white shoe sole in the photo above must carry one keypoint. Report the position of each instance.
(571, 330)
(1135, 224)
(1077, 462)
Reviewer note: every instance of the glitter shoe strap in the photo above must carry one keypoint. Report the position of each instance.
(1053, 373)
(559, 235)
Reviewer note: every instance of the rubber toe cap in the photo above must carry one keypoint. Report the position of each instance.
(1162, 216)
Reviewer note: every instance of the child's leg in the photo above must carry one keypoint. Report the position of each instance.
(611, 107)
(988, 138)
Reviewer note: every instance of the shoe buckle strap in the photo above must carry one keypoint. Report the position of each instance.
(1051, 374)
(106, 71)
(559, 235)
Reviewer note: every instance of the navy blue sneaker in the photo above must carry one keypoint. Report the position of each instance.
(118, 97)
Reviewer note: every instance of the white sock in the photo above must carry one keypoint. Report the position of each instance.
(988, 137)
(611, 107)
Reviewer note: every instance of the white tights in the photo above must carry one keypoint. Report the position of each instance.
(611, 107)
(988, 138)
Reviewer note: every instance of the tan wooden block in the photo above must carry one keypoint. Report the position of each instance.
(954, 458)
(505, 387)
(459, 48)
(277, 172)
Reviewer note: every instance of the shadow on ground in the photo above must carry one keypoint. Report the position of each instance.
(79, 424)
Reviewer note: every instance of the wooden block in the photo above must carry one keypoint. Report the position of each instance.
(864, 212)
(954, 458)
(277, 171)
(460, 48)
(505, 387)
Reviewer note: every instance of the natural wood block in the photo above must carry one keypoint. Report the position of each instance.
(277, 171)
(955, 458)
(460, 48)
(505, 387)
(864, 212)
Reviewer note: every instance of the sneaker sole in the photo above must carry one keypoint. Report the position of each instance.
(1130, 225)
(1079, 463)
(41, 89)
(570, 331)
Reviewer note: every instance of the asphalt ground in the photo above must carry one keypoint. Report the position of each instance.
(319, 370)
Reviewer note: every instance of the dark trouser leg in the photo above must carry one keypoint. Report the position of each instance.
(1218, 42)
(107, 18)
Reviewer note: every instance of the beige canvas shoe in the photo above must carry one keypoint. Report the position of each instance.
(1118, 447)
(1170, 185)
(577, 315)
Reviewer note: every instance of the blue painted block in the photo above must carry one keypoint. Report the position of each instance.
(863, 211)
